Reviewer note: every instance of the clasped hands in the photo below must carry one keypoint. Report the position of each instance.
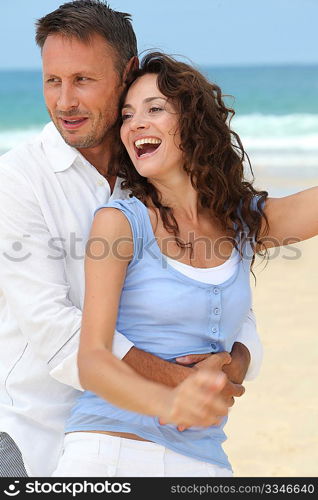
(206, 395)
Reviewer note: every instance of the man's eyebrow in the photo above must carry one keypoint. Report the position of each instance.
(148, 99)
(78, 73)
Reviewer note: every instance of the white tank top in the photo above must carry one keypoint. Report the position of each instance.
(212, 275)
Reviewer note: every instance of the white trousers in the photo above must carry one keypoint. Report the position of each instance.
(89, 454)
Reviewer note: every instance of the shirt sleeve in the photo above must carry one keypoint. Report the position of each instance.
(35, 287)
(67, 370)
(249, 337)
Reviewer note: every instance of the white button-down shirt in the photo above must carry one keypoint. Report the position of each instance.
(48, 195)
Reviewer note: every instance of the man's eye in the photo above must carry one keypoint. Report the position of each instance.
(82, 78)
(53, 80)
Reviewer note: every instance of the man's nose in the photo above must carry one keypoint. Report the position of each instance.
(67, 97)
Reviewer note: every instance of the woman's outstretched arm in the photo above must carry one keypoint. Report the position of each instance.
(291, 218)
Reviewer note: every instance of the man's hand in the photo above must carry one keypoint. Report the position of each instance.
(232, 367)
(235, 370)
(238, 367)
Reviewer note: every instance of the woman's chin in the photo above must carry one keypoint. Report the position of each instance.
(147, 170)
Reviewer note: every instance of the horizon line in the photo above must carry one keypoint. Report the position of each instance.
(203, 65)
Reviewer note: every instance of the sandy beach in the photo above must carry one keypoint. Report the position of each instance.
(272, 429)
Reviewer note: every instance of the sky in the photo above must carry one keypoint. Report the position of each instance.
(208, 32)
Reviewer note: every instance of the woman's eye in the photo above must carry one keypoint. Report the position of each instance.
(126, 116)
(155, 109)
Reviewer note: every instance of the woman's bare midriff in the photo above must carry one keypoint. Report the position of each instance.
(126, 435)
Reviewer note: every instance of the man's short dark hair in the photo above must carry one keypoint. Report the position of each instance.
(83, 18)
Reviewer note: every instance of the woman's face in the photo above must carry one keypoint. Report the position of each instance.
(150, 130)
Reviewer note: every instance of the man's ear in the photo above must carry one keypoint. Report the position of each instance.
(131, 66)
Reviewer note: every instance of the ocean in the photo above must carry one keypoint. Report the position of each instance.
(276, 117)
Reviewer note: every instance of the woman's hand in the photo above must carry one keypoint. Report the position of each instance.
(196, 401)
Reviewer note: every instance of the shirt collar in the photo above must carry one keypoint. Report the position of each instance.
(60, 155)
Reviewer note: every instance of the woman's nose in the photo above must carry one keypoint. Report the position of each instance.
(138, 122)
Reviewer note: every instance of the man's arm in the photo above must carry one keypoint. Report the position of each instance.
(246, 360)
(155, 368)
(164, 372)
(246, 354)
(173, 374)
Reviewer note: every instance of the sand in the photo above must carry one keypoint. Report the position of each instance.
(272, 429)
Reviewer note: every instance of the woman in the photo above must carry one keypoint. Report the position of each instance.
(175, 279)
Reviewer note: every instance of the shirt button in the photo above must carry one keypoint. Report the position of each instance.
(213, 347)
(216, 310)
(214, 329)
(216, 290)
(100, 182)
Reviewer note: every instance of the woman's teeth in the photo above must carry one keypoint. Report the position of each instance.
(148, 140)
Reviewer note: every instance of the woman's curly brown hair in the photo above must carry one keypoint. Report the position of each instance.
(213, 153)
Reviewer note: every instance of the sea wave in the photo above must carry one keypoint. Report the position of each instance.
(295, 132)
(258, 132)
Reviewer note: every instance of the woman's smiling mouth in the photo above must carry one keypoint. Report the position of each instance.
(146, 146)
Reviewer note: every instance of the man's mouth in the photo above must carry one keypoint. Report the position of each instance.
(146, 146)
(73, 123)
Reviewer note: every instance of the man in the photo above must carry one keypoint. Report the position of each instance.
(49, 189)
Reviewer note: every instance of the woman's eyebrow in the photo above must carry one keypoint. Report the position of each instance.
(149, 99)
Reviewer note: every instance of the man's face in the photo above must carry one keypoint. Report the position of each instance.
(81, 88)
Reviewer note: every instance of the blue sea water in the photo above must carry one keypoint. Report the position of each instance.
(276, 112)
